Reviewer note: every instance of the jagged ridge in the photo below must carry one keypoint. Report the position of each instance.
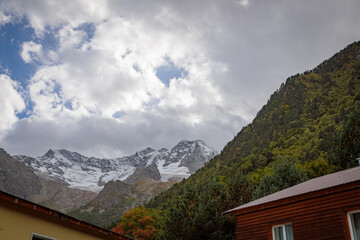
(92, 173)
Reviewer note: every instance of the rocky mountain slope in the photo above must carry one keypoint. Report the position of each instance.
(18, 179)
(80, 172)
(99, 190)
(117, 197)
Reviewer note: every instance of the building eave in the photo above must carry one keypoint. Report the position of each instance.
(44, 212)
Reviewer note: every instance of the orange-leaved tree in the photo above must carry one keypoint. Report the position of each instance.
(140, 223)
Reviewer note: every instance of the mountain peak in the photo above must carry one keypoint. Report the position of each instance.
(146, 151)
(184, 141)
(189, 142)
(200, 142)
(49, 153)
(163, 150)
(4, 153)
(93, 173)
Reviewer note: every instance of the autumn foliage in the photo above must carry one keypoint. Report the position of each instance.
(139, 223)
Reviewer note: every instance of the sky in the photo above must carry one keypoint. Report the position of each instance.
(107, 78)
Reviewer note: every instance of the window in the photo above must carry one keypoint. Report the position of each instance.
(283, 232)
(354, 222)
(36, 236)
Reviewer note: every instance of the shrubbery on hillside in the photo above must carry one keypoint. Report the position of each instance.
(308, 128)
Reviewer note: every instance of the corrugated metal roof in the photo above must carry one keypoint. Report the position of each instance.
(327, 181)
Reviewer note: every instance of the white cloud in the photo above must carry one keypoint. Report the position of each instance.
(42, 14)
(244, 2)
(100, 136)
(235, 53)
(98, 79)
(70, 39)
(99, 75)
(11, 103)
(4, 18)
(31, 51)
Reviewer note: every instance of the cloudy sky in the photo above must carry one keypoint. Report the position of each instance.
(109, 77)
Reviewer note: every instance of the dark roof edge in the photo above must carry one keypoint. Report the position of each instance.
(295, 198)
(58, 215)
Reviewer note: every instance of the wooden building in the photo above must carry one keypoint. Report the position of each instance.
(327, 207)
(24, 220)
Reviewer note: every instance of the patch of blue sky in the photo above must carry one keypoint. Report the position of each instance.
(68, 105)
(48, 39)
(12, 37)
(169, 71)
(119, 114)
(89, 29)
(136, 68)
(24, 114)
(28, 111)
(153, 102)
(57, 89)
(94, 111)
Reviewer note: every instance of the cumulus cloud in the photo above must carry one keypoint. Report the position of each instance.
(11, 103)
(105, 137)
(4, 18)
(99, 75)
(99, 92)
(31, 51)
(244, 2)
(43, 14)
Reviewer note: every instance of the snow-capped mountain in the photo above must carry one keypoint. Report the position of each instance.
(185, 159)
(92, 173)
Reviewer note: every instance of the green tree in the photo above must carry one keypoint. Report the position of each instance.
(284, 174)
(299, 120)
(177, 216)
(239, 190)
(197, 215)
(346, 147)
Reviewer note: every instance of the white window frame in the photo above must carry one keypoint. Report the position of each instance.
(280, 225)
(350, 223)
(41, 236)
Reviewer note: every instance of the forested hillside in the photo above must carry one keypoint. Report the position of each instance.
(309, 127)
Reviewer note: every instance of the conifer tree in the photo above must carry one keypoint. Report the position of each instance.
(284, 174)
(347, 142)
(197, 215)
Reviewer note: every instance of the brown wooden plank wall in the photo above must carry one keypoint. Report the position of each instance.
(322, 217)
